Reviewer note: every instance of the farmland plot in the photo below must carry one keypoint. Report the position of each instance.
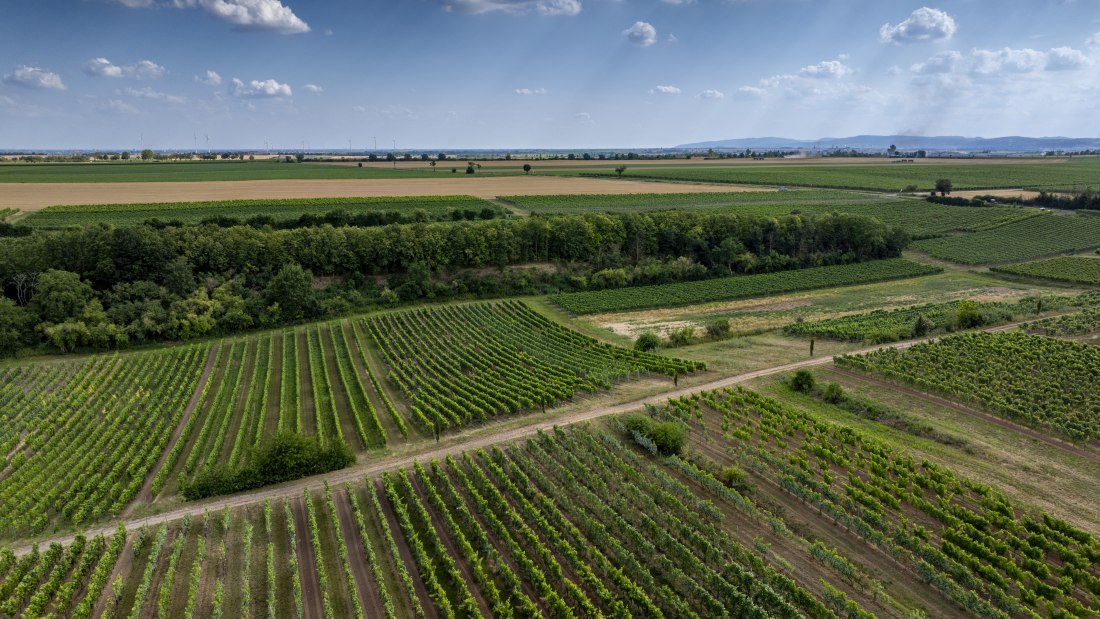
(1073, 269)
(1022, 240)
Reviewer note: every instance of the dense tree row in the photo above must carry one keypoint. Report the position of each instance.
(100, 287)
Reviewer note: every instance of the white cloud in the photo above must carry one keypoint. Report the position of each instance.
(584, 118)
(141, 70)
(359, 109)
(399, 112)
(210, 78)
(1094, 40)
(1066, 59)
(711, 94)
(149, 93)
(673, 38)
(752, 91)
(270, 15)
(101, 67)
(943, 62)
(827, 69)
(527, 92)
(34, 77)
(515, 7)
(678, 2)
(924, 24)
(7, 102)
(665, 90)
(314, 88)
(641, 33)
(257, 89)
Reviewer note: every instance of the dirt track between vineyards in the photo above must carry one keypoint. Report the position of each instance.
(377, 467)
(30, 197)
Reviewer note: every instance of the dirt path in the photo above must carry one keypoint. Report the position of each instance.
(365, 586)
(966, 410)
(307, 563)
(122, 568)
(146, 493)
(374, 468)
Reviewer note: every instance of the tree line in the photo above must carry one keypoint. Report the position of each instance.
(101, 286)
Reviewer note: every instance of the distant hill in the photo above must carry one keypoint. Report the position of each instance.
(953, 143)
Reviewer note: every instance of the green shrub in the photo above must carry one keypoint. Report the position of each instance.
(682, 337)
(668, 436)
(803, 380)
(833, 394)
(647, 342)
(969, 315)
(718, 328)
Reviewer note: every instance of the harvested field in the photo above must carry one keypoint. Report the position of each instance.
(31, 197)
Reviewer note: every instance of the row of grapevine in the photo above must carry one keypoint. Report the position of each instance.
(461, 364)
(1080, 323)
(1073, 269)
(1043, 382)
(89, 435)
(963, 538)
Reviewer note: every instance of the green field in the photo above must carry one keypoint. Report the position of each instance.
(1021, 240)
(1039, 381)
(1074, 175)
(1073, 269)
(387, 210)
(1080, 323)
(744, 286)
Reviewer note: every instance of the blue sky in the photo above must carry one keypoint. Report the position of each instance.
(538, 73)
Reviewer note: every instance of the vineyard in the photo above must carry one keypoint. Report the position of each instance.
(1080, 323)
(462, 364)
(921, 219)
(315, 381)
(1071, 176)
(964, 539)
(379, 210)
(730, 288)
(1022, 240)
(79, 438)
(513, 532)
(1073, 269)
(882, 326)
(1042, 382)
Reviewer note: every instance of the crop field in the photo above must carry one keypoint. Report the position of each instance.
(79, 438)
(881, 326)
(1081, 323)
(315, 381)
(1068, 176)
(1038, 381)
(1073, 269)
(962, 538)
(1034, 237)
(740, 287)
(384, 209)
(458, 365)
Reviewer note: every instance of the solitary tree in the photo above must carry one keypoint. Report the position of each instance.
(432, 163)
(619, 170)
(892, 151)
(943, 186)
(526, 168)
(147, 154)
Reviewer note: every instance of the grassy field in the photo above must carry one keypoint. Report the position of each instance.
(1031, 238)
(387, 210)
(729, 288)
(1073, 175)
(1072, 269)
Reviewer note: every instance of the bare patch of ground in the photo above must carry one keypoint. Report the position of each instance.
(31, 197)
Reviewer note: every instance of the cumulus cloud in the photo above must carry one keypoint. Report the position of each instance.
(665, 90)
(924, 24)
(28, 76)
(1007, 60)
(260, 89)
(678, 2)
(313, 88)
(399, 112)
(527, 92)
(827, 69)
(711, 94)
(118, 106)
(1094, 40)
(515, 7)
(210, 78)
(641, 33)
(584, 118)
(101, 67)
(141, 70)
(1066, 59)
(270, 15)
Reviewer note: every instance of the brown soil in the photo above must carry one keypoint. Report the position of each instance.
(1004, 423)
(37, 196)
(122, 568)
(366, 587)
(307, 563)
(146, 493)
(430, 609)
(341, 400)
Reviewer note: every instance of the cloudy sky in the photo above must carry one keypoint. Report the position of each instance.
(539, 73)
